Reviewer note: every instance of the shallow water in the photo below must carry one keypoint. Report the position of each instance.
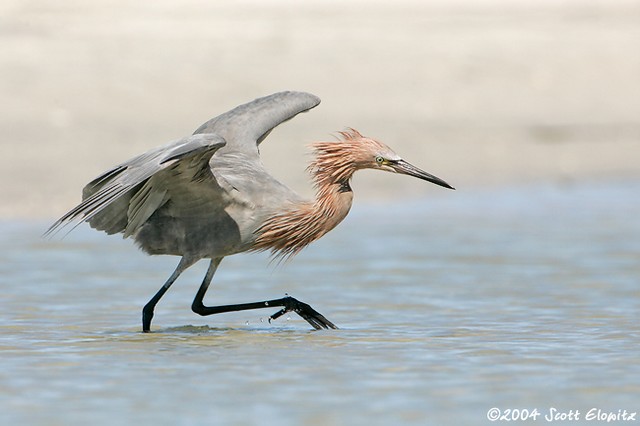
(525, 298)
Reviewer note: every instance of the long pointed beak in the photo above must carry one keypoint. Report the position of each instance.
(405, 168)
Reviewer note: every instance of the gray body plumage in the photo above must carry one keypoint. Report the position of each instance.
(202, 196)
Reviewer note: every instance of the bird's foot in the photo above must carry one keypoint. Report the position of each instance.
(147, 316)
(310, 315)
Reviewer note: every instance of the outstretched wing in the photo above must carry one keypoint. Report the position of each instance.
(247, 125)
(124, 198)
(120, 199)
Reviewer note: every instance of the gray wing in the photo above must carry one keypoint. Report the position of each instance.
(121, 200)
(247, 125)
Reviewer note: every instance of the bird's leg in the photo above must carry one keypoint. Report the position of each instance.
(288, 304)
(147, 311)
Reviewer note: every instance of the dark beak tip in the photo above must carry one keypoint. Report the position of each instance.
(409, 169)
(445, 185)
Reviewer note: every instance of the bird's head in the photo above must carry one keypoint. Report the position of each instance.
(356, 152)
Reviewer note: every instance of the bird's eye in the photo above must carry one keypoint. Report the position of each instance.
(379, 160)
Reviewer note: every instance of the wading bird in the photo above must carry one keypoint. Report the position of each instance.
(208, 196)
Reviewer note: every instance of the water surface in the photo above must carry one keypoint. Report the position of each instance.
(514, 298)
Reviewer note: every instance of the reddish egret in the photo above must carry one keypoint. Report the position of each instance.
(208, 196)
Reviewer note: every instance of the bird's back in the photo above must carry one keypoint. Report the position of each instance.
(216, 217)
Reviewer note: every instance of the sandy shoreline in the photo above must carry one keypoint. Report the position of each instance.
(487, 93)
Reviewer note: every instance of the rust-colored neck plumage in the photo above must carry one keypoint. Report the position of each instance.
(333, 165)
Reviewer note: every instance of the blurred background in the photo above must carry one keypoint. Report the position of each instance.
(480, 93)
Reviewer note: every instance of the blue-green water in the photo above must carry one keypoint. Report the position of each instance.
(521, 298)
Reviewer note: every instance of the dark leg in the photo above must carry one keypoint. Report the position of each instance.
(147, 311)
(288, 304)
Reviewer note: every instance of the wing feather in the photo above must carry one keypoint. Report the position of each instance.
(247, 125)
(126, 196)
(117, 200)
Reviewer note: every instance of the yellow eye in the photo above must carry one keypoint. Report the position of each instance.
(379, 160)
